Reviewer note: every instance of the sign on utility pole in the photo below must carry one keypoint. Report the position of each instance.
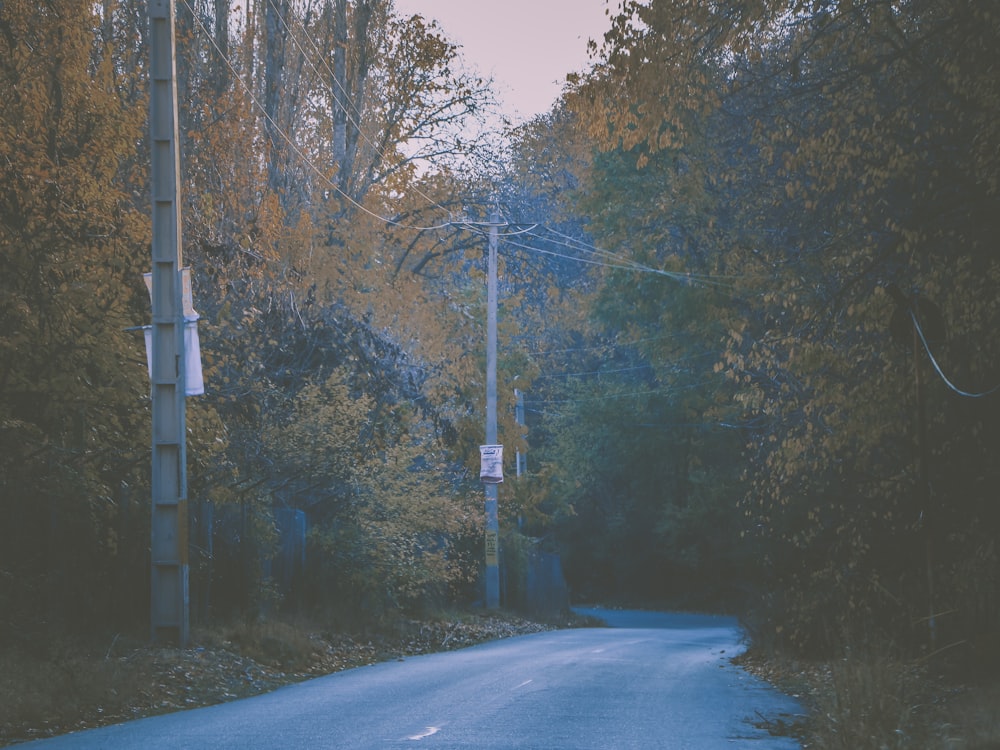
(492, 521)
(169, 600)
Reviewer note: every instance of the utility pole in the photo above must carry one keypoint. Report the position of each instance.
(492, 491)
(169, 598)
(521, 466)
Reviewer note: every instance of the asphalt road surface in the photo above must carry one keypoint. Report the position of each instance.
(651, 681)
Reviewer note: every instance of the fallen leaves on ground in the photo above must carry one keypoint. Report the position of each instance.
(68, 691)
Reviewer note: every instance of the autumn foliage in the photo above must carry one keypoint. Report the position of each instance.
(712, 248)
(806, 158)
(323, 334)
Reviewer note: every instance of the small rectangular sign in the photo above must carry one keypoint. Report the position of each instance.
(491, 463)
(492, 548)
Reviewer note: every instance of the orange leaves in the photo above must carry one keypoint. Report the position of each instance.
(73, 384)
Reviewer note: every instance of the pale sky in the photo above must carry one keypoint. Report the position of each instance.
(528, 46)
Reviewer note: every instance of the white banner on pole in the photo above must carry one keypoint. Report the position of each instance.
(194, 382)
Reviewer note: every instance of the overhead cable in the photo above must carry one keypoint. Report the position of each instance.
(577, 244)
(940, 372)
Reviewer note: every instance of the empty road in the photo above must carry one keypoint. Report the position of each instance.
(651, 681)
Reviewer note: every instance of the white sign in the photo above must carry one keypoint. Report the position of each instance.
(491, 463)
(194, 383)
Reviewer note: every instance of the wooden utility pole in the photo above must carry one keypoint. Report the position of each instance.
(169, 600)
(492, 491)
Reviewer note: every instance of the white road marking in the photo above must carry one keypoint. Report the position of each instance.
(427, 733)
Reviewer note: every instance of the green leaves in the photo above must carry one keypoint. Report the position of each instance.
(802, 157)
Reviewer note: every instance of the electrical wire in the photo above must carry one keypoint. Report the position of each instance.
(614, 261)
(546, 376)
(619, 370)
(618, 261)
(587, 261)
(574, 244)
(624, 263)
(673, 425)
(611, 345)
(473, 226)
(664, 390)
(570, 242)
(940, 372)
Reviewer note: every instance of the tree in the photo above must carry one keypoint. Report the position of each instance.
(822, 151)
(73, 410)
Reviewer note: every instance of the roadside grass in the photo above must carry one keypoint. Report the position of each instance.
(66, 684)
(871, 702)
(283, 642)
(871, 699)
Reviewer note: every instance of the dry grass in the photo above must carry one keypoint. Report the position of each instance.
(272, 642)
(69, 685)
(871, 701)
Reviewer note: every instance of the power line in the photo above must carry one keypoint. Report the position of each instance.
(672, 425)
(603, 264)
(616, 371)
(474, 226)
(616, 261)
(611, 345)
(940, 372)
(606, 258)
(620, 262)
(611, 259)
(617, 258)
(575, 244)
(594, 372)
(635, 394)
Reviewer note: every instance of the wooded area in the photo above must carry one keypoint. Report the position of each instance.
(715, 242)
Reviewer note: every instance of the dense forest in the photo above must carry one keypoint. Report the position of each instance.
(749, 288)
